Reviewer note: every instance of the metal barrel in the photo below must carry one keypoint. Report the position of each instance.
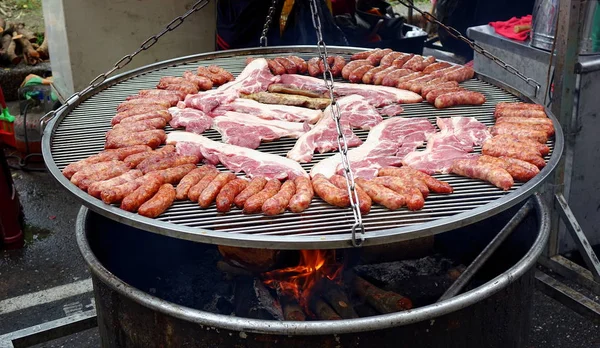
(544, 24)
(494, 314)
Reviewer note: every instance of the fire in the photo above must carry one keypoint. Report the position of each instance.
(299, 281)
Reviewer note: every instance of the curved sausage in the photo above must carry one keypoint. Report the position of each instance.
(203, 83)
(518, 169)
(217, 75)
(430, 86)
(160, 202)
(254, 204)
(389, 58)
(175, 174)
(169, 160)
(152, 138)
(401, 60)
(191, 179)
(392, 78)
(369, 76)
(432, 95)
(329, 192)
(211, 191)
(275, 67)
(432, 183)
(443, 71)
(378, 77)
(98, 172)
(364, 55)
(364, 201)
(117, 193)
(376, 57)
(277, 204)
(412, 196)
(135, 159)
(353, 65)
(301, 65)
(196, 190)
(288, 65)
(459, 98)
(225, 75)
(304, 194)
(143, 193)
(461, 74)
(403, 181)
(381, 194)
(357, 74)
(436, 66)
(97, 187)
(339, 63)
(313, 67)
(227, 194)
(255, 186)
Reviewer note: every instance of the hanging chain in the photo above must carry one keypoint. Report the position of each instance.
(121, 63)
(477, 48)
(341, 139)
(263, 37)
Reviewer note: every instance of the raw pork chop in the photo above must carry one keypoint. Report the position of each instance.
(270, 111)
(236, 158)
(442, 149)
(192, 120)
(384, 142)
(359, 112)
(323, 136)
(255, 77)
(467, 129)
(376, 95)
(248, 131)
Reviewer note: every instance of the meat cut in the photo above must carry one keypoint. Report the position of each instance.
(359, 113)
(385, 141)
(248, 131)
(192, 120)
(377, 96)
(467, 129)
(236, 158)
(270, 111)
(442, 150)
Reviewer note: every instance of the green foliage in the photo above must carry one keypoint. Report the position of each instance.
(29, 4)
(40, 38)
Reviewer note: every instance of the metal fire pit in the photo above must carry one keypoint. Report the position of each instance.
(495, 314)
(79, 132)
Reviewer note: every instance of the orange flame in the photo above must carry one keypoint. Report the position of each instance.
(299, 281)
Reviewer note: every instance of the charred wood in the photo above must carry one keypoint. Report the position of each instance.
(232, 271)
(337, 298)
(253, 300)
(383, 301)
(322, 309)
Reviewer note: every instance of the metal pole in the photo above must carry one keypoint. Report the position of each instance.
(480, 260)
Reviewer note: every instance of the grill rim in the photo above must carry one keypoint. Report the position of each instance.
(290, 242)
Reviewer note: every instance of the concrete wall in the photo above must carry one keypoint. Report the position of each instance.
(88, 37)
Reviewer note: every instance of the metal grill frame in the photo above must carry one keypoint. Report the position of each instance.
(293, 242)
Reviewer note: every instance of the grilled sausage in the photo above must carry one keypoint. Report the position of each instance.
(117, 193)
(369, 76)
(196, 190)
(513, 150)
(191, 179)
(300, 64)
(519, 106)
(389, 58)
(417, 84)
(228, 193)
(140, 116)
(168, 161)
(521, 113)
(98, 172)
(353, 65)
(171, 99)
(330, 61)
(377, 56)
(160, 202)
(224, 74)
(521, 131)
(277, 203)
(155, 102)
(430, 86)
(203, 82)
(432, 183)
(432, 95)
(541, 123)
(364, 55)
(211, 191)
(152, 92)
(524, 143)
(401, 60)
(289, 65)
(405, 181)
(275, 67)
(472, 168)
(104, 156)
(378, 77)
(391, 79)
(443, 71)
(149, 118)
(152, 138)
(96, 188)
(436, 66)
(254, 204)
(217, 75)
(419, 63)
(254, 187)
(313, 67)
(413, 198)
(364, 201)
(149, 124)
(304, 194)
(175, 174)
(461, 74)
(181, 87)
(339, 63)
(329, 192)
(519, 170)
(381, 194)
(459, 98)
(135, 159)
(357, 74)
(135, 199)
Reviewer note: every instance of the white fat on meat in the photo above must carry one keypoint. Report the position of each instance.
(385, 141)
(467, 129)
(359, 113)
(270, 111)
(377, 96)
(256, 77)
(192, 120)
(249, 131)
(235, 158)
(323, 136)
(443, 148)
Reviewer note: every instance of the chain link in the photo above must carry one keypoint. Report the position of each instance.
(263, 37)
(358, 226)
(121, 63)
(476, 47)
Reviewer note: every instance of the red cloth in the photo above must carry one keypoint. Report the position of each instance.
(506, 28)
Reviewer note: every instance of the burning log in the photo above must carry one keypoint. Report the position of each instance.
(291, 308)
(383, 301)
(253, 300)
(256, 260)
(336, 297)
(322, 310)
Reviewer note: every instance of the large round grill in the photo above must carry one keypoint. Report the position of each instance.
(79, 132)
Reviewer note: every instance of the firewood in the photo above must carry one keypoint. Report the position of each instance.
(9, 28)
(322, 310)
(291, 309)
(232, 271)
(256, 260)
(336, 297)
(383, 301)
(29, 36)
(31, 56)
(43, 49)
(8, 52)
(253, 300)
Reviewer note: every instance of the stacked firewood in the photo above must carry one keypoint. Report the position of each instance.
(19, 44)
